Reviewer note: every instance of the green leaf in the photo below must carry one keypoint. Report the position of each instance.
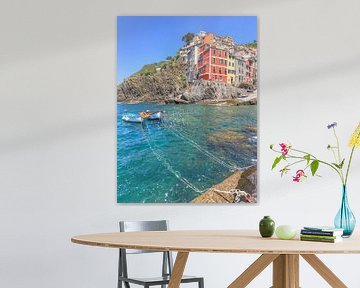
(284, 171)
(276, 162)
(336, 165)
(307, 157)
(339, 166)
(342, 163)
(314, 167)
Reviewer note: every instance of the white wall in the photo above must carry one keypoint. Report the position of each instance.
(57, 143)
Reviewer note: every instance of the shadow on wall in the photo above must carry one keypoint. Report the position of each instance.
(312, 74)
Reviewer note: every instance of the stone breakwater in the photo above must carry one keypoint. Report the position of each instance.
(244, 181)
(172, 90)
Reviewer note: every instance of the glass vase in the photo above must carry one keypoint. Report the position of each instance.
(345, 219)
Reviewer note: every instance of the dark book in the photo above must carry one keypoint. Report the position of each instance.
(321, 233)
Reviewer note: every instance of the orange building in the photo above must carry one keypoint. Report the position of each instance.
(208, 38)
(212, 63)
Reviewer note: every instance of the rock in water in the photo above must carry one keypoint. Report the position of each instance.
(248, 181)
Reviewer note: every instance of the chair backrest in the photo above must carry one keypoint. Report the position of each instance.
(138, 226)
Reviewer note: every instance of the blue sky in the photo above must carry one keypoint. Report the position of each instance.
(147, 39)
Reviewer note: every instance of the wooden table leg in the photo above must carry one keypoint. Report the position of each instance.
(324, 271)
(178, 269)
(253, 270)
(293, 264)
(286, 271)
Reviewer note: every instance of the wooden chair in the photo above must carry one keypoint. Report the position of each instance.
(167, 262)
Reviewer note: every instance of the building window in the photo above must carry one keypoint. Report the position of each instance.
(214, 51)
(226, 71)
(225, 62)
(219, 70)
(213, 60)
(220, 77)
(213, 69)
(219, 52)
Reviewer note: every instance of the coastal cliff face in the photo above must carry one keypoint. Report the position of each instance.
(167, 83)
(208, 90)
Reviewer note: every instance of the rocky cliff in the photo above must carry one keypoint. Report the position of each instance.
(167, 83)
(208, 90)
(244, 182)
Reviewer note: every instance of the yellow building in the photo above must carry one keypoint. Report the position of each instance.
(231, 69)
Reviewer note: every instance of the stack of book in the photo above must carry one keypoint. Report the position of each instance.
(321, 234)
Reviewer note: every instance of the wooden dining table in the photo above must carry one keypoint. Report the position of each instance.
(283, 254)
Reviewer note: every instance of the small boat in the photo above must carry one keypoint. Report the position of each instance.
(156, 116)
(151, 115)
(132, 118)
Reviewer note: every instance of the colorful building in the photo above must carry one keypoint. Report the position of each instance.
(231, 69)
(240, 70)
(191, 65)
(250, 70)
(212, 63)
(218, 58)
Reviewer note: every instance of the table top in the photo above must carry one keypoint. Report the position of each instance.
(217, 241)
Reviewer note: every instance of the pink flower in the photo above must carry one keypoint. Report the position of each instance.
(300, 174)
(284, 148)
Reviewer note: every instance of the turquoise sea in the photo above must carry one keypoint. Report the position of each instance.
(193, 148)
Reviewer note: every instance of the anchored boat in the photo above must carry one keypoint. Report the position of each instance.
(141, 116)
(132, 118)
(151, 115)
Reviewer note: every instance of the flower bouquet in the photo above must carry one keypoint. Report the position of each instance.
(292, 157)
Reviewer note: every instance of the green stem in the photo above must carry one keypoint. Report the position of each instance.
(304, 152)
(320, 161)
(333, 152)
(338, 145)
(312, 159)
(350, 159)
(339, 155)
(296, 162)
(348, 168)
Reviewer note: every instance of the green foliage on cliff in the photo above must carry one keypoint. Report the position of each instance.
(151, 69)
(154, 81)
(251, 45)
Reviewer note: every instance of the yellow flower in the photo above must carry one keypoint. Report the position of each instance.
(355, 138)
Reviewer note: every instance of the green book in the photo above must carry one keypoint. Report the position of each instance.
(319, 236)
(325, 240)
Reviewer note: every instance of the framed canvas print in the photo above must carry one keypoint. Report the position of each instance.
(186, 109)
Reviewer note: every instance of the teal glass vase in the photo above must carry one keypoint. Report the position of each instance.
(345, 219)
